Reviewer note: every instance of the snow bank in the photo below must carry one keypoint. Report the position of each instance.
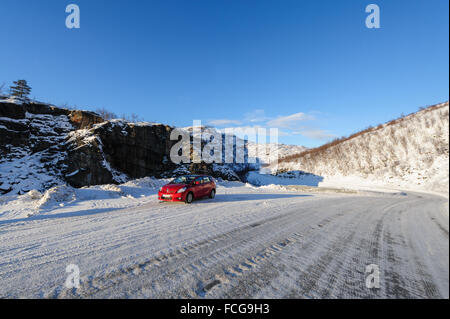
(290, 178)
(56, 196)
(64, 198)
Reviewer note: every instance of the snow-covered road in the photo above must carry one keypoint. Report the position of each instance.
(248, 242)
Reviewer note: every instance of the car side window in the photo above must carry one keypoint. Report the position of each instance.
(205, 180)
(198, 180)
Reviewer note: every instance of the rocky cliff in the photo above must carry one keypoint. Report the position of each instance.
(116, 150)
(33, 148)
(42, 146)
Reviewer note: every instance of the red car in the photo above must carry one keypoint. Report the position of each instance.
(187, 188)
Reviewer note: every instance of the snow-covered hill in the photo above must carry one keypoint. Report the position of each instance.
(410, 152)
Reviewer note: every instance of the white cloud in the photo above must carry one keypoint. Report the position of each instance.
(291, 121)
(289, 125)
(246, 129)
(224, 122)
(245, 132)
(317, 134)
(256, 116)
(283, 133)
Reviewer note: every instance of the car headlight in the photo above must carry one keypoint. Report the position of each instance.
(181, 190)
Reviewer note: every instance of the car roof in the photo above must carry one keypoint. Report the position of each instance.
(195, 175)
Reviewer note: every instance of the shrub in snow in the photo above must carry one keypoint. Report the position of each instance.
(55, 195)
(111, 188)
(34, 194)
(147, 182)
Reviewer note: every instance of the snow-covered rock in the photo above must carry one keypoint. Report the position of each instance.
(33, 152)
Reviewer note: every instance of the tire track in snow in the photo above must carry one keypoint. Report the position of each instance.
(293, 247)
(184, 253)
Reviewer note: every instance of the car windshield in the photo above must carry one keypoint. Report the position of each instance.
(183, 180)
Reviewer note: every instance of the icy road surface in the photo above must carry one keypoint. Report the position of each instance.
(247, 243)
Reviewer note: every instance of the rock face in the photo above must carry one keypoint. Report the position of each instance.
(43, 146)
(83, 119)
(113, 150)
(33, 153)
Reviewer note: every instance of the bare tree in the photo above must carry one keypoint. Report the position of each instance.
(135, 118)
(105, 114)
(68, 106)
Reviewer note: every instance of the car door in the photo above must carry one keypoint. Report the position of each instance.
(204, 186)
(198, 187)
(208, 185)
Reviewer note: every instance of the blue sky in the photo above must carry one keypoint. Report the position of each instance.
(311, 68)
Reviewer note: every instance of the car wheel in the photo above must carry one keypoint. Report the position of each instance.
(212, 194)
(189, 198)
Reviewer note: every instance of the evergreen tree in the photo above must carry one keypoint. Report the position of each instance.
(20, 89)
(2, 86)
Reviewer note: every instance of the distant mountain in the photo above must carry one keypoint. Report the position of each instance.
(260, 152)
